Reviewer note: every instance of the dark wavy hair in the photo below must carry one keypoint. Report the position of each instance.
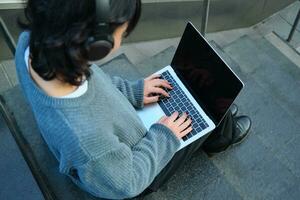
(60, 29)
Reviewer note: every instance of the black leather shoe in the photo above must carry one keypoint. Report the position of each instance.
(234, 109)
(243, 125)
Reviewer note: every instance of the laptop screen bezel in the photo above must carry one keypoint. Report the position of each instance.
(191, 27)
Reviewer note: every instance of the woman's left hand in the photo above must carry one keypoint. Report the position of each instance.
(153, 88)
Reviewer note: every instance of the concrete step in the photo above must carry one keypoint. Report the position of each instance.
(250, 167)
(263, 115)
(16, 180)
(279, 25)
(43, 164)
(198, 179)
(284, 47)
(8, 78)
(120, 66)
(271, 70)
(256, 168)
(4, 80)
(156, 62)
(290, 13)
(9, 69)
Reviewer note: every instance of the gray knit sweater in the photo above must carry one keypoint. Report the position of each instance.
(98, 139)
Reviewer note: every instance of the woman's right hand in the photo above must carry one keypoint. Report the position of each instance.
(180, 125)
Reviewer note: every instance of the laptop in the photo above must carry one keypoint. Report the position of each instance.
(203, 84)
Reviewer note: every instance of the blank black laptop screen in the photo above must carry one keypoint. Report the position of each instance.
(203, 72)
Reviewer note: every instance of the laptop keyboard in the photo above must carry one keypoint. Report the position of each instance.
(179, 102)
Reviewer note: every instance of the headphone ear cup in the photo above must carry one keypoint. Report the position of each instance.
(98, 49)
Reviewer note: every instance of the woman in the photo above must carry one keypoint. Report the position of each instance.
(86, 117)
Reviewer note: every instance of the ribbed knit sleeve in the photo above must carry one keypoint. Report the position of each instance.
(124, 172)
(132, 90)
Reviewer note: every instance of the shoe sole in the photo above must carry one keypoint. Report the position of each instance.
(242, 140)
(230, 146)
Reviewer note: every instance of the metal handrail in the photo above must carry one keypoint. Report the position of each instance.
(294, 27)
(205, 14)
(7, 37)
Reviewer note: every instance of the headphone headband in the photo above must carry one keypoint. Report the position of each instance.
(102, 11)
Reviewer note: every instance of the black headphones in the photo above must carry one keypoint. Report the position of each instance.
(101, 43)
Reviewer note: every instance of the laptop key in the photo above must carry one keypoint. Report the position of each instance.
(189, 135)
(185, 138)
(203, 126)
(199, 129)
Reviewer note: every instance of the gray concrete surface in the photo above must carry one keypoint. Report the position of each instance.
(16, 182)
(284, 47)
(257, 170)
(290, 13)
